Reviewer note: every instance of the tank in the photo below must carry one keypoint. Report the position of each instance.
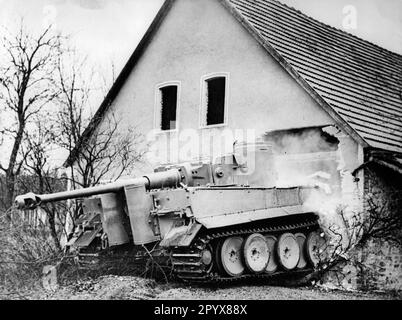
(220, 221)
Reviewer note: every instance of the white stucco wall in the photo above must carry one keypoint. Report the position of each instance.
(200, 37)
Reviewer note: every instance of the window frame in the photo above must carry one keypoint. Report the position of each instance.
(203, 100)
(158, 106)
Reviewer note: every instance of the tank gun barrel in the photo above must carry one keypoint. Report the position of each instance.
(169, 178)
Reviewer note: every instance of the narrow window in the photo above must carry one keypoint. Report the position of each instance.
(214, 99)
(216, 88)
(168, 100)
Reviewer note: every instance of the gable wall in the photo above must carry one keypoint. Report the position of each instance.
(200, 37)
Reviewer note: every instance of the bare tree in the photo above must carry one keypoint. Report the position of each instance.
(38, 73)
(381, 220)
(108, 153)
(39, 144)
(26, 87)
(109, 149)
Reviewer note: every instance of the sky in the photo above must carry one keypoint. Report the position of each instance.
(105, 30)
(108, 30)
(378, 21)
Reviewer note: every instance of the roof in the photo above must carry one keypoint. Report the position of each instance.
(361, 81)
(358, 83)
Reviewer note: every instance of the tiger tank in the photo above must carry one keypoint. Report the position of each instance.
(213, 221)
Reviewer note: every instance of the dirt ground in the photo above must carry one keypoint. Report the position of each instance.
(136, 288)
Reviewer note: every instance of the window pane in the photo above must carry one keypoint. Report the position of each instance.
(169, 105)
(216, 101)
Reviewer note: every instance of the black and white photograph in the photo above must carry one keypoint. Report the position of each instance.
(201, 154)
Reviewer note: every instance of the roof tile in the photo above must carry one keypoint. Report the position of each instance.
(361, 81)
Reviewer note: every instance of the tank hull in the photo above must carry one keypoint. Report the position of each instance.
(208, 219)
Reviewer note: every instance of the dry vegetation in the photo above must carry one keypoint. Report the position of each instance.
(24, 253)
(113, 287)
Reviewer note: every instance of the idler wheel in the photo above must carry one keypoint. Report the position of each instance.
(301, 240)
(288, 251)
(256, 253)
(229, 256)
(315, 248)
(206, 258)
(272, 265)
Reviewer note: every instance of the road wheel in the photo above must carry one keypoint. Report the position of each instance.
(256, 253)
(315, 248)
(288, 251)
(272, 263)
(229, 256)
(301, 240)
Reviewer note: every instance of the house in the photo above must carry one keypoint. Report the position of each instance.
(209, 72)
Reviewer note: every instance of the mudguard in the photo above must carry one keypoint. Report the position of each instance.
(224, 220)
(86, 238)
(181, 236)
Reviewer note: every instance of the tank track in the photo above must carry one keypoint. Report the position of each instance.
(110, 258)
(188, 267)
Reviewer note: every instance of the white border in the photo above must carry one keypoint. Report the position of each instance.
(157, 106)
(203, 100)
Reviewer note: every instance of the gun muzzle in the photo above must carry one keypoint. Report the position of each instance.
(27, 201)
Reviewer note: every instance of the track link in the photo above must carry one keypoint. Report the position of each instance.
(188, 267)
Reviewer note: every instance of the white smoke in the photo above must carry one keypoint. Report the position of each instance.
(312, 158)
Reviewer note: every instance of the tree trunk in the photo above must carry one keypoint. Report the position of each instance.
(11, 172)
(52, 225)
(9, 192)
(50, 210)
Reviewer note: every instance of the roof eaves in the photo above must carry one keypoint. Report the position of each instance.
(292, 71)
(386, 159)
(120, 80)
